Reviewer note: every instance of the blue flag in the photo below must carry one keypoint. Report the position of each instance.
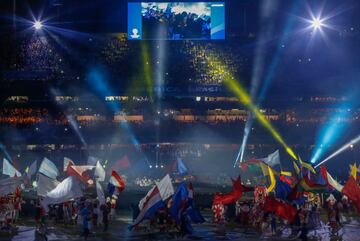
(179, 202)
(192, 211)
(110, 189)
(282, 189)
(181, 168)
(195, 215)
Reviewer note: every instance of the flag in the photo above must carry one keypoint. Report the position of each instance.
(192, 211)
(352, 191)
(286, 173)
(165, 187)
(272, 159)
(281, 209)
(123, 163)
(144, 199)
(82, 173)
(232, 196)
(179, 202)
(92, 161)
(287, 179)
(152, 204)
(67, 162)
(353, 170)
(308, 185)
(9, 185)
(180, 166)
(115, 182)
(65, 191)
(48, 168)
(45, 184)
(99, 172)
(333, 183)
(282, 189)
(272, 180)
(32, 169)
(9, 169)
(296, 197)
(296, 168)
(307, 166)
(100, 193)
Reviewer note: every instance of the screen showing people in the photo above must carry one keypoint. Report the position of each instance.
(176, 20)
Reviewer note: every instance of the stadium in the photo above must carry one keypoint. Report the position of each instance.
(138, 110)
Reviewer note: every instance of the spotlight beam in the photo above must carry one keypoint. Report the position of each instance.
(245, 99)
(331, 131)
(265, 35)
(340, 150)
(69, 117)
(266, 12)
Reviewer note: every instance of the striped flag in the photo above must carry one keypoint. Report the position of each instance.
(330, 180)
(48, 168)
(115, 182)
(152, 204)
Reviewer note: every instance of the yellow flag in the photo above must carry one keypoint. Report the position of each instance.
(289, 174)
(307, 166)
(264, 169)
(353, 170)
(297, 169)
(272, 180)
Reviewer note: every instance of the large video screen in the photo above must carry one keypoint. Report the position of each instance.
(176, 20)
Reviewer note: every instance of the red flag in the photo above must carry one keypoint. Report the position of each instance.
(352, 191)
(287, 179)
(83, 173)
(121, 164)
(232, 196)
(281, 209)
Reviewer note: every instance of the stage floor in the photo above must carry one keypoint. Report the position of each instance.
(118, 231)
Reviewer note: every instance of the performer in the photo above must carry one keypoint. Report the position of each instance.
(333, 213)
(219, 213)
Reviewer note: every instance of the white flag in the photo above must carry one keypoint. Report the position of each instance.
(272, 159)
(99, 172)
(48, 168)
(165, 187)
(45, 184)
(64, 191)
(100, 193)
(9, 169)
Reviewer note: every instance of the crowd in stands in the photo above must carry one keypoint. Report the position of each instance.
(185, 25)
(40, 57)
